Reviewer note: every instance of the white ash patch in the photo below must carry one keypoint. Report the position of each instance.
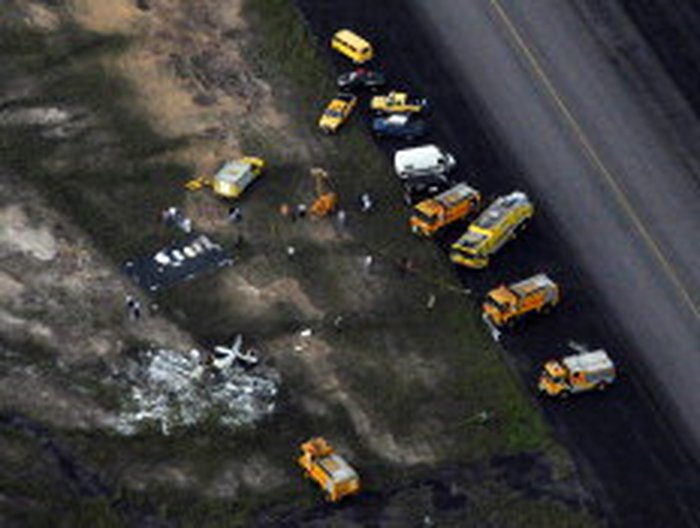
(47, 116)
(54, 123)
(170, 390)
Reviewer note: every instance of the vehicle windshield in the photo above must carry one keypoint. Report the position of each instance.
(331, 112)
(501, 307)
(425, 217)
(470, 240)
(554, 379)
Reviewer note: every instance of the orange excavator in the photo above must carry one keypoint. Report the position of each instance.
(326, 198)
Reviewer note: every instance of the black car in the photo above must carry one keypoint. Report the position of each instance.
(419, 188)
(399, 126)
(361, 78)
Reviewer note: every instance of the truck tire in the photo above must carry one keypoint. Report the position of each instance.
(602, 386)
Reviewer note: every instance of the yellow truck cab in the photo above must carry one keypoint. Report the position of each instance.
(507, 303)
(577, 373)
(352, 46)
(329, 470)
(432, 214)
(491, 230)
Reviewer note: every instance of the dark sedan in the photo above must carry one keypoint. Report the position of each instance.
(399, 126)
(361, 78)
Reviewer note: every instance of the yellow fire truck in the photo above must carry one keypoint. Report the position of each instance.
(577, 373)
(507, 303)
(432, 214)
(330, 471)
(491, 230)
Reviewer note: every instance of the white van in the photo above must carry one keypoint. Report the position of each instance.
(427, 160)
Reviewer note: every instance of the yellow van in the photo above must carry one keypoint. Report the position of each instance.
(352, 45)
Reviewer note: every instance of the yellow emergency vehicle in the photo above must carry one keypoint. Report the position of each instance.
(507, 303)
(397, 103)
(491, 230)
(330, 471)
(577, 373)
(432, 214)
(352, 46)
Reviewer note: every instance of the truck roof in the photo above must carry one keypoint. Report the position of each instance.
(502, 295)
(589, 362)
(417, 155)
(456, 194)
(233, 171)
(337, 468)
(536, 282)
(500, 208)
(446, 199)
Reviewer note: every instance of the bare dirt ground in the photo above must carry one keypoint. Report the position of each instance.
(62, 298)
(188, 77)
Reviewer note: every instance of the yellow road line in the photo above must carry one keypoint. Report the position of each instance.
(593, 155)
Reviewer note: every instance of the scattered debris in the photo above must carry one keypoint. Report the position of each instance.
(170, 389)
(224, 356)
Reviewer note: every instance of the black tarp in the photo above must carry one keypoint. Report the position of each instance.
(181, 260)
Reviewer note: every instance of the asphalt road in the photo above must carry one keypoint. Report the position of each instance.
(526, 98)
(622, 198)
